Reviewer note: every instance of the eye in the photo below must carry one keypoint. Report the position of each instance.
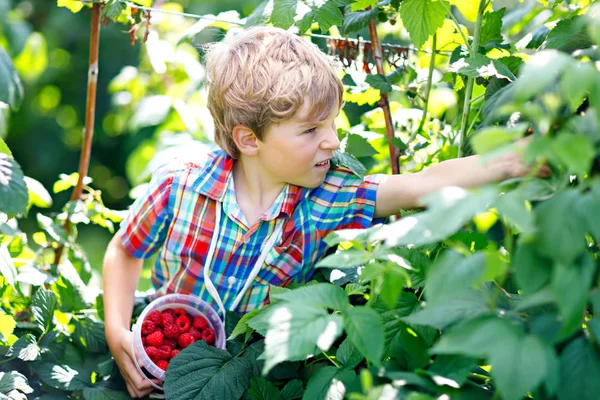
(311, 130)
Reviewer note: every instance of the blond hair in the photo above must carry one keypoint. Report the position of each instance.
(263, 76)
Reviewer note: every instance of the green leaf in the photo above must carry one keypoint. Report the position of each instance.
(319, 295)
(305, 22)
(452, 274)
(355, 21)
(293, 390)
(204, 372)
(568, 35)
(408, 347)
(513, 206)
(481, 66)
(576, 82)
(532, 271)
(579, 365)
(491, 138)
(44, 302)
(13, 190)
(347, 160)
(365, 330)
(479, 337)
(242, 326)
(539, 36)
(103, 391)
(576, 152)
(262, 389)
(345, 259)
(260, 15)
(456, 368)
(326, 383)
(61, 376)
(283, 13)
(150, 111)
(467, 305)
(491, 29)
(571, 284)
(3, 147)
(379, 82)
(422, 18)
(561, 229)
(90, 334)
(348, 355)
(519, 366)
(297, 331)
(589, 206)
(11, 89)
(113, 9)
(447, 211)
(13, 380)
(38, 195)
(26, 348)
(359, 146)
(540, 71)
(7, 266)
(328, 15)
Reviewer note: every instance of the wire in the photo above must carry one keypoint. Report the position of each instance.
(315, 35)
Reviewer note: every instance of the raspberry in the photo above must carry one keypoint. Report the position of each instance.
(167, 319)
(208, 335)
(174, 352)
(171, 331)
(164, 352)
(171, 343)
(200, 322)
(148, 327)
(152, 352)
(155, 317)
(162, 364)
(155, 339)
(183, 323)
(185, 340)
(197, 334)
(179, 312)
(144, 341)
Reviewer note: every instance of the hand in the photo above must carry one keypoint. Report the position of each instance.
(137, 385)
(514, 166)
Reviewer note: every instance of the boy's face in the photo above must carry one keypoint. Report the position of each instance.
(298, 151)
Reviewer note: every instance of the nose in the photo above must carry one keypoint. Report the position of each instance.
(331, 140)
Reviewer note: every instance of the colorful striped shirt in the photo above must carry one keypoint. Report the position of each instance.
(176, 216)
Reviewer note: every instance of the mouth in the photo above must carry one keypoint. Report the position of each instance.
(323, 164)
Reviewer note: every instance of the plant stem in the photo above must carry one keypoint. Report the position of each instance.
(331, 359)
(457, 24)
(88, 132)
(429, 80)
(384, 102)
(473, 50)
(474, 120)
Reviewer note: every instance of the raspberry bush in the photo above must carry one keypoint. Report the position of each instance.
(486, 294)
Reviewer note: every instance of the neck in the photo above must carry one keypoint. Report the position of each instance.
(255, 192)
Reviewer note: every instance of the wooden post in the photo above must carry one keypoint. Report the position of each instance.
(90, 109)
(384, 102)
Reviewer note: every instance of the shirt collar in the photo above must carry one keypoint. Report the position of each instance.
(214, 178)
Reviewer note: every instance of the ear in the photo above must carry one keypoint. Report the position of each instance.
(245, 140)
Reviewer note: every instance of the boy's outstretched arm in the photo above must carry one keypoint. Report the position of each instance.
(405, 191)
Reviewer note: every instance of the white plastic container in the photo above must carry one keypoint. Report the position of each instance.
(194, 306)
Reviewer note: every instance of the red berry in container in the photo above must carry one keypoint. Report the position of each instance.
(152, 352)
(172, 343)
(167, 319)
(208, 335)
(164, 352)
(197, 334)
(155, 317)
(155, 339)
(200, 322)
(162, 364)
(185, 340)
(183, 323)
(148, 327)
(179, 312)
(171, 331)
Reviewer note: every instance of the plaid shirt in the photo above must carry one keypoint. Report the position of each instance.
(177, 217)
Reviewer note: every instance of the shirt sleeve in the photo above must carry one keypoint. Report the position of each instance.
(145, 227)
(346, 201)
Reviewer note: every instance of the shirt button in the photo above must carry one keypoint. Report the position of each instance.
(231, 280)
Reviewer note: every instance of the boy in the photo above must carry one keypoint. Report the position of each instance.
(255, 213)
